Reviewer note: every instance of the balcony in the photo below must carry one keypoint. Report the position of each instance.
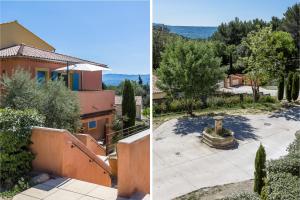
(96, 101)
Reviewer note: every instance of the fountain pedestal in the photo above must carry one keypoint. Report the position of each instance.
(218, 124)
(216, 138)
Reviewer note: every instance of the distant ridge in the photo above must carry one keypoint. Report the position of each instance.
(193, 32)
(116, 79)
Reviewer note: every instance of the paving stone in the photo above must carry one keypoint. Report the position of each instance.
(40, 191)
(64, 195)
(56, 182)
(78, 186)
(105, 193)
(24, 197)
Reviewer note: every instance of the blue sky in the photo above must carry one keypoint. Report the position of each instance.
(116, 33)
(214, 12)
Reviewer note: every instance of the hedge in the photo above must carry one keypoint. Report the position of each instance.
(288, 164)
(281, 186)
(294, 147)
(243, 196)
(224, 101)
(15, 133)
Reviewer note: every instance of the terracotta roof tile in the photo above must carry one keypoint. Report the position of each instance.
(31, 52)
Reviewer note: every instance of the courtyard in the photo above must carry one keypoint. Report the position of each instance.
(182, 163)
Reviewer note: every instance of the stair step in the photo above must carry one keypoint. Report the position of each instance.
(104, 159)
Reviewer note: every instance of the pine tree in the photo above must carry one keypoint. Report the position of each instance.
(280, 88)
(260, 169)
(289, 84)
(295, 87)
(128, 105)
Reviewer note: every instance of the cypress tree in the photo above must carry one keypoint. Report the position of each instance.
(140, 80)
(128, 105)
(280, 88)
(295, 87)
(289, 84)
(260, 169)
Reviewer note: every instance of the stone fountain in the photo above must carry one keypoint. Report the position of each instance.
(218, 137)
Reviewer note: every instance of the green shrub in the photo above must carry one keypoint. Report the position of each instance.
(53, 99)
(280, 88)
(282, 186)
(243, 196)
(60, 106)
(294, 147)
(177, 105)
(289, 84)
(288, 164)
(267, 99)
(215, 102)
(248, 99)
(260, 166)
(15, 133)
(295, 87)
(146, 112)
(21, 92)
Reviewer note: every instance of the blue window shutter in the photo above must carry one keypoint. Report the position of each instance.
(92, 124)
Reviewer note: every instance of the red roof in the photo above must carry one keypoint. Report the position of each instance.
(23, 50)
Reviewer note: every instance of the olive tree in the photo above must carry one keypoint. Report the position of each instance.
(265, 56)
(190, 68)
(52, 99)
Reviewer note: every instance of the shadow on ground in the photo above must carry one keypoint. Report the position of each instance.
(238, 124)
(291, 114)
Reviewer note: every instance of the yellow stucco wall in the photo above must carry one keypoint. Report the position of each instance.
(13, 33)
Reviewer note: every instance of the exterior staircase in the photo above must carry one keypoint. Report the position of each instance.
(75, 156)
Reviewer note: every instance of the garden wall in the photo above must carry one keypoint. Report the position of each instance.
(59, 152)
(134, 164)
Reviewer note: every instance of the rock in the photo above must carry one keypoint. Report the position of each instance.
(41, 178)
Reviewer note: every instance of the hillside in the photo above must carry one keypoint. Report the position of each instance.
(116, 79)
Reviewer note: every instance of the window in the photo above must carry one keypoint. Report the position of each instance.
(54, 76)
(92, 125)
(42, 75)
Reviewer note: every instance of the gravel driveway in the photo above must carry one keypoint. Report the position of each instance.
(183, 164)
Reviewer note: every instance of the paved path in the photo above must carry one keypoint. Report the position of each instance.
(183, 164)
(247, 90)
(72, 189)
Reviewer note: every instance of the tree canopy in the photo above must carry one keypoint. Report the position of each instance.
(189, 67)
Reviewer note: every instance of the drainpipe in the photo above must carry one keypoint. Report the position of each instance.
(67, 74)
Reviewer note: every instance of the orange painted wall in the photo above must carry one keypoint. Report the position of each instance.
(91, 80)
(134, 164)
(60, 153)
(95, 101)
(91, 144)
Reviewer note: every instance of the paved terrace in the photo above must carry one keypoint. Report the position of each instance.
(72, 189)
(183, 164)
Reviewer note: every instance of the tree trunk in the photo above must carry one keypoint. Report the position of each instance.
(230, 64)
(255, 90)
(204, 101)
(190, 107)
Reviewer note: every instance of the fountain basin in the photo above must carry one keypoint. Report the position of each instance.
(218, 141)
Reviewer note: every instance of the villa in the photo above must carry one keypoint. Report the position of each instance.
(81, 161)
(20, 48)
